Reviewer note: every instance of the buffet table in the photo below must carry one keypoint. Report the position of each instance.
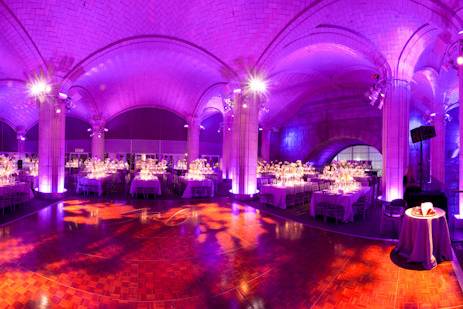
(346, 200)
(192, 187)
(424, 240)
(151, 186)
(85, 184)
(280, 192)
(19, 188)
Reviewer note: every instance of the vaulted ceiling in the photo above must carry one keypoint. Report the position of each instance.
(113, 56)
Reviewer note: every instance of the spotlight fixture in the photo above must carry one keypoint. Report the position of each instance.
(202, 127)
(185, 126)
(377, 92)
(460, 60)
(39, 88)
(257, 84)
(62, 96)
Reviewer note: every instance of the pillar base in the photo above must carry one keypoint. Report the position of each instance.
(50, 196)
(244, 197)
(458, 221)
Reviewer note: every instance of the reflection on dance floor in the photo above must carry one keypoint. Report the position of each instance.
(198, 255)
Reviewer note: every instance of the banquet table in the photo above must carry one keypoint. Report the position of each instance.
(17, 188)
(264, 180)
(280, 192)
(346, 200)
(190, 184)
(364, 180)
(424, 240)
(148, 186)
(85, 184)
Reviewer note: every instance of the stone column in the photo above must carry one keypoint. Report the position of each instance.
(193, 139)
(51, 145)
(98, 139)
(227, 144)
(265, 144)
(244, 144)
(396, 114)
(21, 138)
(460, 156)
(438, 147)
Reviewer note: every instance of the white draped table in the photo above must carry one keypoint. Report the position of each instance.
(424, 240)
(91, 184)
(17, 188)
(190, 184)
(280, 192)
(147, 186)
(346, 200)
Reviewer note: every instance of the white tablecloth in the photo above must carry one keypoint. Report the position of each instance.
(190, 184)
(279, 192)
(91, 185)
(19, 187)
(425, 240)
(152, 185)
(345, 200)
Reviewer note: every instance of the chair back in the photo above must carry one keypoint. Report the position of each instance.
(395, 208)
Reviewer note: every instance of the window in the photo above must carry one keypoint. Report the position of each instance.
(362, 153)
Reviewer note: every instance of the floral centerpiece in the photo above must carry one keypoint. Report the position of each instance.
(73, 163)
(343, 174)
(181, 165)
(95, 168)
(7, 170)
(198, 169)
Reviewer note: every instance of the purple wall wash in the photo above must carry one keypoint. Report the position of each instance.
(144, 130)
(307, 141)
(8, 142)
(148, 124)
(452, 149)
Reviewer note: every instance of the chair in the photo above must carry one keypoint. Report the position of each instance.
(392, 211)
(320, 209)
(333, 211)
(290, 200)
(266, 198)
(300, 198)
(361, 207)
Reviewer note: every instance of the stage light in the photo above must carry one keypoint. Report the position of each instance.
(185, 126)
(460, 60)
(63, 96)
(257, 84)
(39, 88)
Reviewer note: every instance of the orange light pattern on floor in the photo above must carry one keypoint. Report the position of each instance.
(220, 255)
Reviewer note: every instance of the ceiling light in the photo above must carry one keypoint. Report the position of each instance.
(39, 88)
(257, 84)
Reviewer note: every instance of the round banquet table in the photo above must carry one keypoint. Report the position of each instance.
(425, 240)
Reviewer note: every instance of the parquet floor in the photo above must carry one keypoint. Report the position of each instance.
(215, 254)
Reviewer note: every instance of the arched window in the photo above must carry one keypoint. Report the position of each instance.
(362, 153)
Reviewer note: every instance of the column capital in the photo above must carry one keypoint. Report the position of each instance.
(97, 121)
